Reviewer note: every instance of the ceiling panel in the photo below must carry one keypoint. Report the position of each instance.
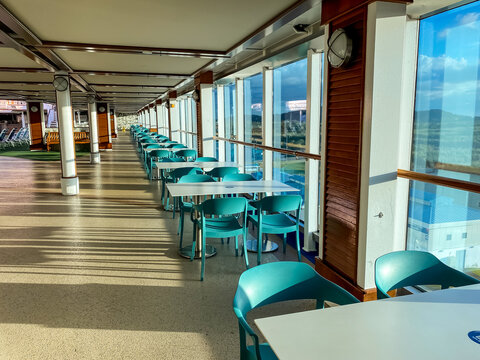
(12, 58)
(191, 24)
(130, 89)
(129, 80)
(131, 62)
(20, 76)
(48, 87)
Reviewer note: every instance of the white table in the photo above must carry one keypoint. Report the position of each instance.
(424, 326)
(221, 188)
(200, 164)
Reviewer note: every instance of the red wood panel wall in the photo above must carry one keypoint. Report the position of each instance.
(102, 121)
(36, 135)
(343, 155)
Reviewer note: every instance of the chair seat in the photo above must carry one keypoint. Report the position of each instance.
(266, 352)
(222, 227)
(186, 206)
(274, 223)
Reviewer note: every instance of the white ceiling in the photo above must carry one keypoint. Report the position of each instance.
(190, 24)
(12, 58)
(131, 62)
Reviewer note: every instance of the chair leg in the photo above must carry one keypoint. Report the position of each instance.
(194, 242)
(236, 245)
(298, 245)
(244, 250)
(259, 246)
(203, 257)
(175, 201)
(181, 223)
(284, 242)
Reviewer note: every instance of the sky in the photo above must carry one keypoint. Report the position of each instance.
(449, 61)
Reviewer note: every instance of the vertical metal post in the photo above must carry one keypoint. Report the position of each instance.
(267, 125)
(240, 123)
(69, 181)
(92, 119)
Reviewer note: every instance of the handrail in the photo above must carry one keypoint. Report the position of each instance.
(270, 148)
(439, 180)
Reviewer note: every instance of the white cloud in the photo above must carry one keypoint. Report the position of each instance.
(428, 63)
(469, 20)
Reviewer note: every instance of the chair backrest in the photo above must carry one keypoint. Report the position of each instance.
(224, 206)
(153, 146)
(280, 203)
(409, 268)
(206, 158)
(180, 172)
(220, 172)
(160, 154)
(238, 177)
(172, 159)
(195, 178)
(186, 153)
(281, 281)
(176, 146)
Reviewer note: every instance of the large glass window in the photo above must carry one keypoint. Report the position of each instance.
(446, 138)
(289, 122)
(230, 120)
(253, 102)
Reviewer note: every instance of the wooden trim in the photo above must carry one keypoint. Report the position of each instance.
(439, 180)
(465, 169)
(330, 274)
(204, 78)
(270, 148)
(25, 70)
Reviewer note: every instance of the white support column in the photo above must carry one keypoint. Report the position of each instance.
(221, 121)
(183, 122)
(314, 99)
(115, 124)
(175, 120)
(240, 123)
(69, 180)
(109, 127)
(267, 126)
(189, 119)
(92, 121)
(206, 97)
(153, 118)
(383, 208)
(157, 117)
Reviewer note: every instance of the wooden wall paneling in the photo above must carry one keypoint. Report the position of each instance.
(36, 133)
(102, 121)
(345, 92)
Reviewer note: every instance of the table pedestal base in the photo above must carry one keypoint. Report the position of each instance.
(267, 246)
(186, 252)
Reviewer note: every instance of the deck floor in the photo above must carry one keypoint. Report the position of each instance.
(97, 276)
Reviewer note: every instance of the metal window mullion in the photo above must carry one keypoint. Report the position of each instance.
(267, 122)
(240, 123)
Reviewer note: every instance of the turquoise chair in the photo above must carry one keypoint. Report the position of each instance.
(409, 268)
(186, 206)
(206, 159)
(176, 174)
(186, 154)
(166, 178)
(152, 157)
(176, 146)
(276, 282)
(275, 220)
(220, 172)
(225, 225)
(238, 177)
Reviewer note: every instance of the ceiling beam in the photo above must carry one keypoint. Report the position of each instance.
(133, 85)
(128, 73)
(142, 50)
(24, 70)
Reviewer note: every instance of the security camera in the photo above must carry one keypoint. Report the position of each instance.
(300, 28)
